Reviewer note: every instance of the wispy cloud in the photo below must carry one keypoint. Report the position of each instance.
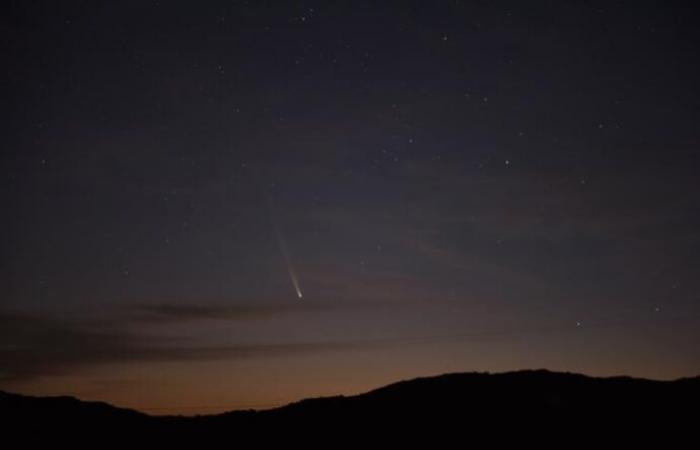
(176, 312)
(37, 346)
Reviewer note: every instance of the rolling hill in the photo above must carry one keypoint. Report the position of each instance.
(526, 405)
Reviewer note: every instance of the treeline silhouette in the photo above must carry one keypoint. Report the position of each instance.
(526, 406)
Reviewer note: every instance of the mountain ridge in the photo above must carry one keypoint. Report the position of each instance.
(439, 405)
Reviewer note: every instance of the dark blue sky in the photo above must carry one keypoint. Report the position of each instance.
(459, 186)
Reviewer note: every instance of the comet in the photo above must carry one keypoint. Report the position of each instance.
(288, 261)
(285, 252)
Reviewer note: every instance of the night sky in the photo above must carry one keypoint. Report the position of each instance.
(215, 205)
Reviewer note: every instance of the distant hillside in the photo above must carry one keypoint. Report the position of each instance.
(517, 405)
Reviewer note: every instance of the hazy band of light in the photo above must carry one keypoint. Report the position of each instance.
(288, 261)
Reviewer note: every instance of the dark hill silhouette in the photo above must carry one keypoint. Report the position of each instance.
(522, 406)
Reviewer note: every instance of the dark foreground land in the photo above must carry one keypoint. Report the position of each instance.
(455, 410)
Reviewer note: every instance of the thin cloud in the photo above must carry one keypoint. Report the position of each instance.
(38, 346)
(171, 312)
